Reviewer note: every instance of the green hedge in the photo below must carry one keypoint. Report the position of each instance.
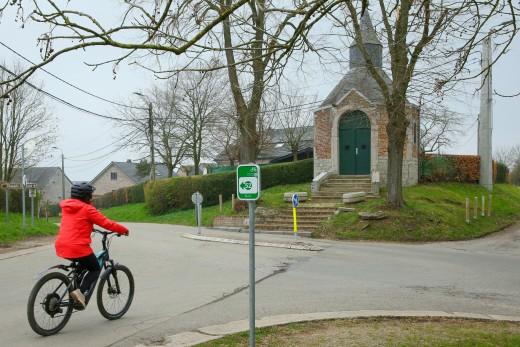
(173, 194)
(502, 173)
(15, 200)
(120, 196)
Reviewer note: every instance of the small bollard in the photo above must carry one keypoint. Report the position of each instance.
(467, 210)
(483, 212)
(475, 208)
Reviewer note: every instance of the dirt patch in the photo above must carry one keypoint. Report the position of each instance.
(27, 243)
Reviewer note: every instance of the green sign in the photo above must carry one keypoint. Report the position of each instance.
(248, 182)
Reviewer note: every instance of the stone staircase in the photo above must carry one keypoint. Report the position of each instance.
(307, 217)
(334, 188)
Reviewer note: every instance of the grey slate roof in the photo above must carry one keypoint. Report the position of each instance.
(358, 79)
(368, 33)
(129, 169)
(39, 175)
(276, 148)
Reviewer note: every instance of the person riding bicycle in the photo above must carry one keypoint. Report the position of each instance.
(73, 241)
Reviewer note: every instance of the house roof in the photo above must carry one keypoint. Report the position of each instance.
(130, 169)
(277, 147)
(39, 175)
(360, 80)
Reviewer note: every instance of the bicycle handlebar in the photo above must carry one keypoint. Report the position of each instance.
(105, 232)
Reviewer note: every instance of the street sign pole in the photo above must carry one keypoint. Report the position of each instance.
(252, 303)
(295, 201)
(32, 194)
(197, 198)
(248, 188)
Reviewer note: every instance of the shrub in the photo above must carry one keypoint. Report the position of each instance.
(502, 173)
(172, 194)
(121, 196)
(15, 200)
(452, 168)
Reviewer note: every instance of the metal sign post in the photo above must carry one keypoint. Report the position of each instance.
(196, 198)
(248, 188)
(295, 201)
(32, 194)
(12, 186)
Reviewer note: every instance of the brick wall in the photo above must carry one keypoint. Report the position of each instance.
(322, 134)
(326, 136)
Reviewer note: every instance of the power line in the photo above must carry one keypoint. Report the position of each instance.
(70, 84)
(65, 102)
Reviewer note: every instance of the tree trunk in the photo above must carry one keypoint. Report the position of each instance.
(248, 139)
(396, 131)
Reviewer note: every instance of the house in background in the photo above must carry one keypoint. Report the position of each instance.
(277, 146)
(49, 183)
(123, 174)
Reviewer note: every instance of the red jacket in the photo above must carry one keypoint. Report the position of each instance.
(77, 220)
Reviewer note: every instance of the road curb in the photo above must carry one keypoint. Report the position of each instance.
(297, 246)
(214, 332)
(25, 251)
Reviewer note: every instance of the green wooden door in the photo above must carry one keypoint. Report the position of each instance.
(354, 144)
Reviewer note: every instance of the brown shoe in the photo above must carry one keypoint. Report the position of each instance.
(78, 298)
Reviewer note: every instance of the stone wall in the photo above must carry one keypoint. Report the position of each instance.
(231, 222)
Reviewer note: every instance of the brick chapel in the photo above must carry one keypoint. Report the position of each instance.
(350, 124)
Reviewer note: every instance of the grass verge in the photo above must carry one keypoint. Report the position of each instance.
(395, 332)
(433, 212)
(13, 231)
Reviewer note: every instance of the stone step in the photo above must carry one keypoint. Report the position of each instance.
(346, 189)
(350, 176)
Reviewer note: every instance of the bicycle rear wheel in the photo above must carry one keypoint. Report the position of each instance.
(49, 307)
(115, 293)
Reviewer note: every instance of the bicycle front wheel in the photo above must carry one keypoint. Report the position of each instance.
(115, 293)
(49, 307)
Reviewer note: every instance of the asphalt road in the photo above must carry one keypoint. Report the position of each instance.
(183, 284)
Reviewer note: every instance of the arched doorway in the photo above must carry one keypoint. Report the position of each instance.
(354, 144)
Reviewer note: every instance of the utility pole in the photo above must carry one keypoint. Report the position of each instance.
(23, 186)
(152, 149)
(62, 174)
(62, 177)
(486, 119)
(150, 134)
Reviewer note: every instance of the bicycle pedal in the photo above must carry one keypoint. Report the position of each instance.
(78, 307)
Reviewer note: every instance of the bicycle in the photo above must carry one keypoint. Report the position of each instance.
(49, 307)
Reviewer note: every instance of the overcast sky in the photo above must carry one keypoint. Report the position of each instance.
(87, 140)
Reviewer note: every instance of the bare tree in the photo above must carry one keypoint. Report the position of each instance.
(440, 127)
(294, 118)
(200, 97)
(225, 135)
(508, 155)
(256, 42)
(170, 137)
(443, 38)
(24, 116)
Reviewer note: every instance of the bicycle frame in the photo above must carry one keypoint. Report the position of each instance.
(106, 264)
